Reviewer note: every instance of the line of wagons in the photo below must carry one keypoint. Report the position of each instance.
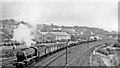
(34, 53)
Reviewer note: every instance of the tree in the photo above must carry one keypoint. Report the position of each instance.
(7, 34)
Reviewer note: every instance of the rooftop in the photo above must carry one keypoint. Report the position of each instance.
(55, 33)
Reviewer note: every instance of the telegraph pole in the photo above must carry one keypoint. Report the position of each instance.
(43, 38)
(66, 51)
(66, 56)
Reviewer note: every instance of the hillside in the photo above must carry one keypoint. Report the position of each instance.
(7, 27)
(78, 31)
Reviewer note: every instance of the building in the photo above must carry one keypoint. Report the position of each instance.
(52, 36)
(1, 33)
(61, 35)
(49, 37)
(6, 28)
(57, 28)
(39, 36)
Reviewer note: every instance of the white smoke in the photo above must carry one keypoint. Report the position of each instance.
(23, 34)
(33, 13)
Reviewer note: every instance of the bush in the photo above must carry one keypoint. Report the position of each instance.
(117, 45)
(103, 52)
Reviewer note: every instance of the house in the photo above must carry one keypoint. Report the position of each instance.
(57, 28)
(39, 36)
(7, 26)
(1, 33)
(49, 36)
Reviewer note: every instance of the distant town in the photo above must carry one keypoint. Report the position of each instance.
(7, 30)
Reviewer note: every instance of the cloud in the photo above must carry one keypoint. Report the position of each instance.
(96, 14)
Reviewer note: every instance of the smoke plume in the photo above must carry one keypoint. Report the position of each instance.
(24, 33)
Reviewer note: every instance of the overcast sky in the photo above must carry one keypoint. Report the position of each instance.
(93, 14)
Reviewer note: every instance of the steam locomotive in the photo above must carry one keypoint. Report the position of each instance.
(34, 53)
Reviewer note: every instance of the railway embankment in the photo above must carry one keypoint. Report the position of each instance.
(109, 54)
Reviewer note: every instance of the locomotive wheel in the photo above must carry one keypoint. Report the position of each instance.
(31, 61)
(20, 66)
(26, 64)
(38, 59)
(35, 59)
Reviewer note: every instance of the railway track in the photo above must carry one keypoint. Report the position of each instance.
(49, 61)
(52, 60)
(8, 61)
(46, 61)
(84, 55)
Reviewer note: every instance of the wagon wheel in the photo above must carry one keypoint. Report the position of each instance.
(20, 66)
(11, 53)
(25, 64)
(36, 59)
(7, 54)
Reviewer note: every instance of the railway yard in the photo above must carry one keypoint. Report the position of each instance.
(59, 34)
(79, 55)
